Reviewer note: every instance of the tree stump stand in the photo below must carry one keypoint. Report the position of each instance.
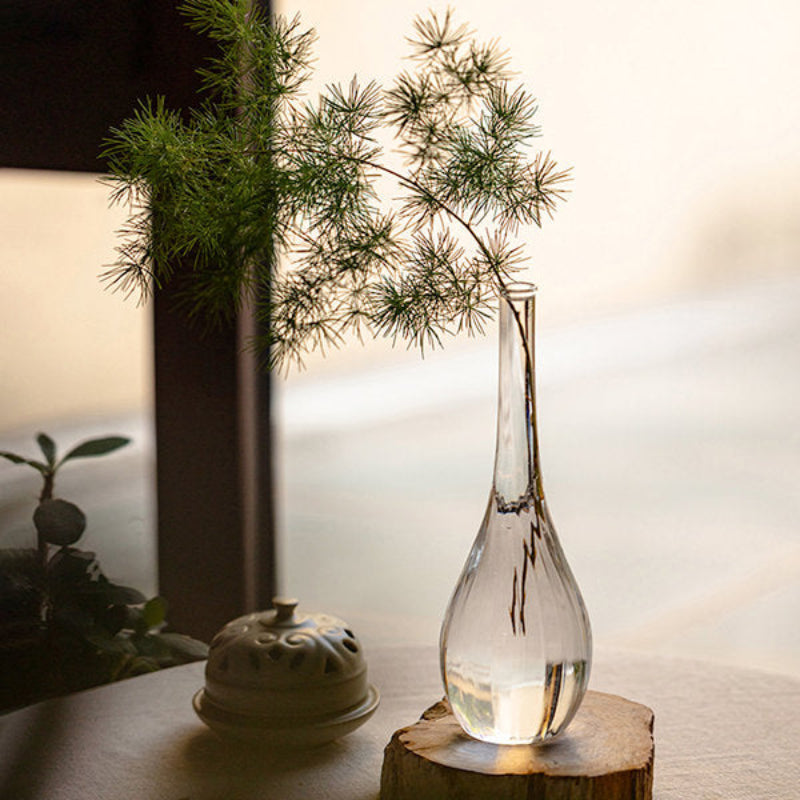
(606, 753)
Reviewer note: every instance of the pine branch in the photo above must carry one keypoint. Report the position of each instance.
(278, 199)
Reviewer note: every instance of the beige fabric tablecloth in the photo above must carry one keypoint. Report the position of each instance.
(721, 734)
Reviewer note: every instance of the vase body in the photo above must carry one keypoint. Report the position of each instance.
(515, 647)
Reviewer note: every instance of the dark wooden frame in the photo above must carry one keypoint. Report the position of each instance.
(70, 70)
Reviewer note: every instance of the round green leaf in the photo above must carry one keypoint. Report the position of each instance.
(154, 612)
(141, 666)
(111, 644)
(15, 459)
(59, 522)
(96, 447)
(183, 647)
(70, 564)
(123, 595)
(113, 618)
(48, 447)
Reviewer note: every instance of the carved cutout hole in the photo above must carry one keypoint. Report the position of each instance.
(297, 660)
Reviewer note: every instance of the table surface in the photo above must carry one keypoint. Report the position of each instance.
(721, 734)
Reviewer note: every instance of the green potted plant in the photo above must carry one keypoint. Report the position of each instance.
(64, 625)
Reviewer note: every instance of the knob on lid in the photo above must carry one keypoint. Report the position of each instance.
(285, 609)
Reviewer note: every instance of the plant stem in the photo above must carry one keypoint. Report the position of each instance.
(411, 183)
(47, 488)
(42, 546)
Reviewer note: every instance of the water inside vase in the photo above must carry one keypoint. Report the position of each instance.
(517, 711)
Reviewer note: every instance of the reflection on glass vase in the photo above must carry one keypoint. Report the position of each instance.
(516, 643)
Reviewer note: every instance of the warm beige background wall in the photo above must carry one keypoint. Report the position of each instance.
(67, 347)
(680, 119)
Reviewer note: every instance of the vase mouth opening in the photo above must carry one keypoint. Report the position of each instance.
(519, 291)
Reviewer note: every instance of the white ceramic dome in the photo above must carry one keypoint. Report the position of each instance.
(285, 677)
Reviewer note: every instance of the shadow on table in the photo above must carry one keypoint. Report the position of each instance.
(205, 753)
(35, 752)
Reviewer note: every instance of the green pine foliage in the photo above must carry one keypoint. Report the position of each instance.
(281, 201)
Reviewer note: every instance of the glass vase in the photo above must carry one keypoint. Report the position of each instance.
(515, 647)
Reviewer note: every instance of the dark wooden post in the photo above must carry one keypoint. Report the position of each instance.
(214, 493)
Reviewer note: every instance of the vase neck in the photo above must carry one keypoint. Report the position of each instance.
(517, 480)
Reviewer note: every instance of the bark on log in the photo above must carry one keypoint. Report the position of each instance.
(606, 753)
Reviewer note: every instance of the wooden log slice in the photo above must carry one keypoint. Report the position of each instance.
(606, 753)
